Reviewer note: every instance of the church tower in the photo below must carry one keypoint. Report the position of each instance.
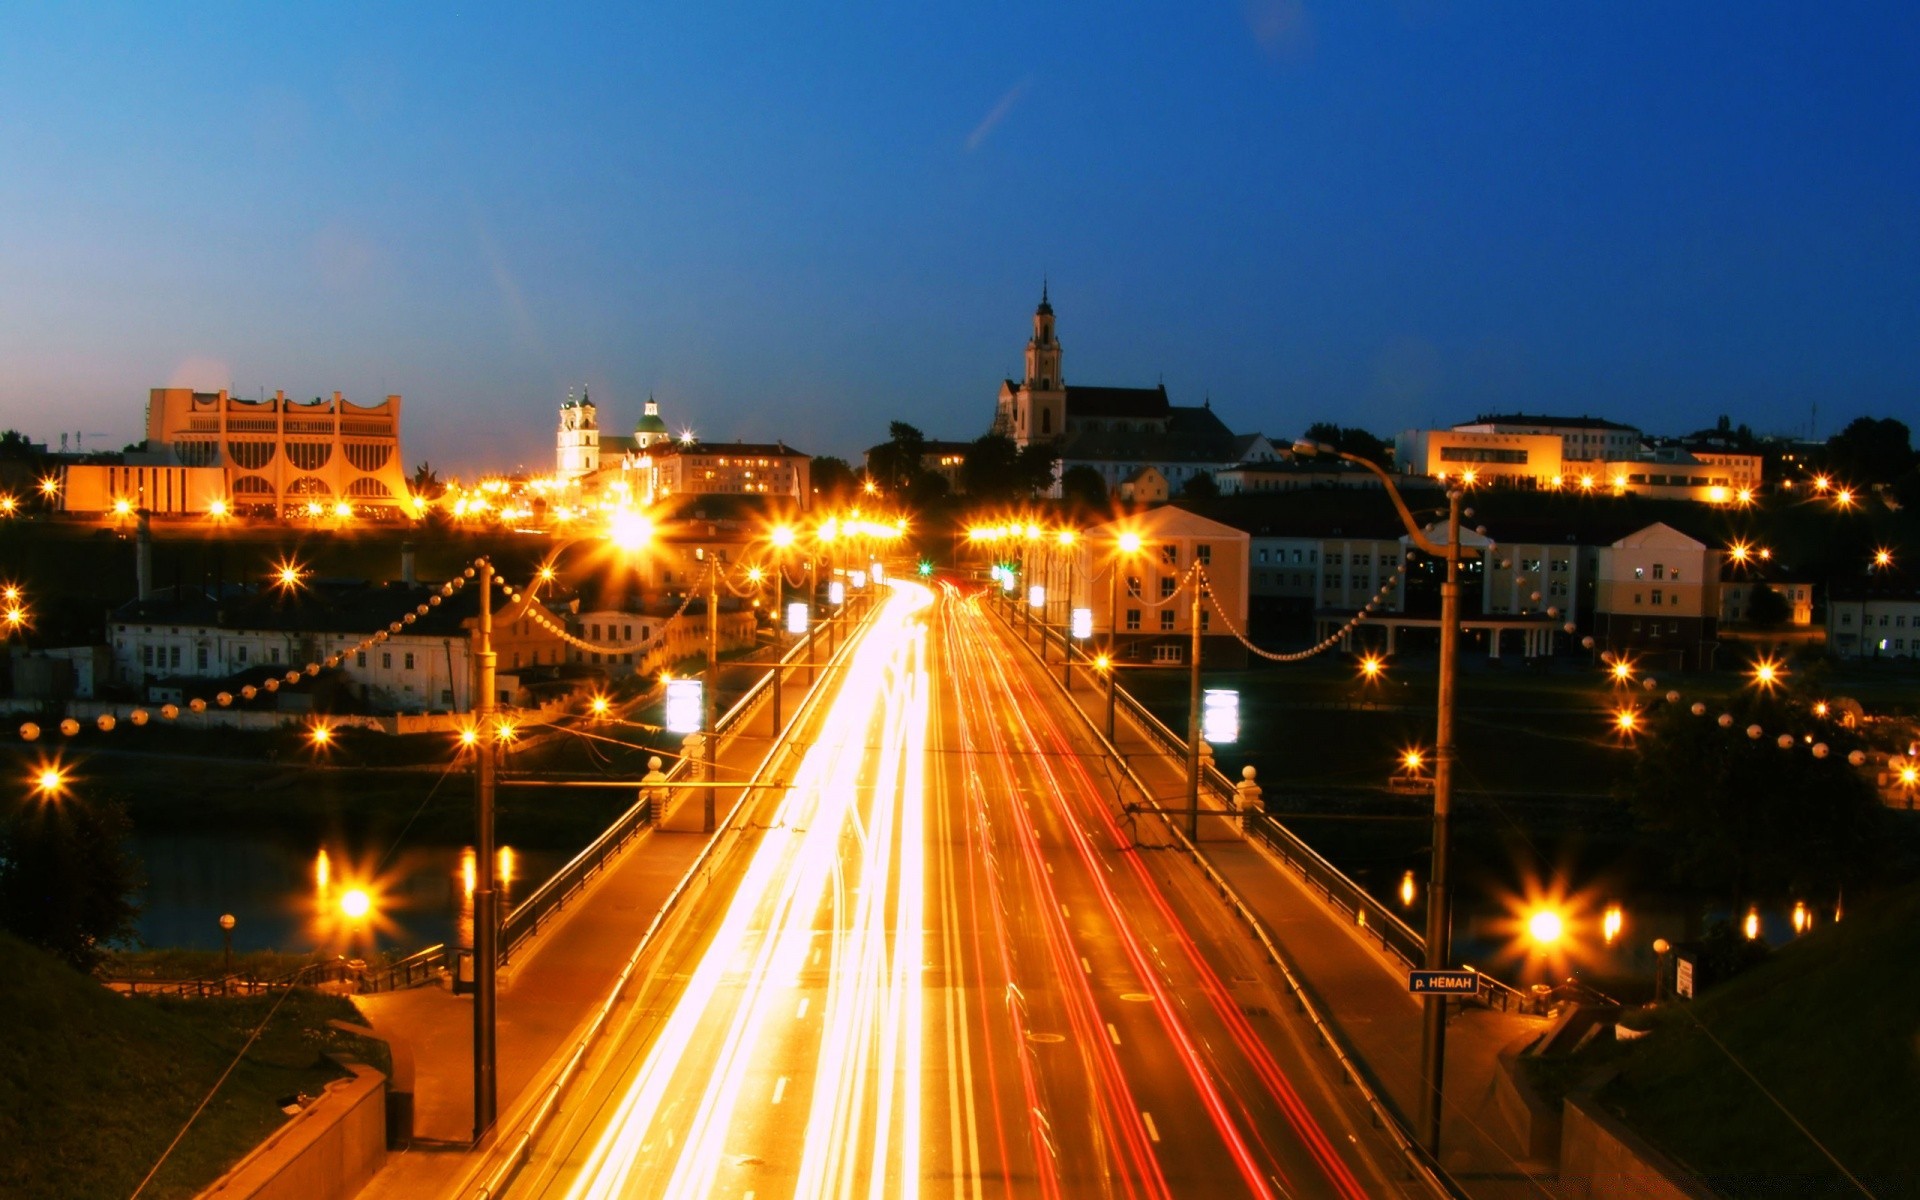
(1036, 409)
(651, 430)
(577, 449)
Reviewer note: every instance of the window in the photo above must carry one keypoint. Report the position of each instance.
(1166, 620)
(595, 635)
(1359, 581)
(273, 654)
(146, 656)
(408, 660)
(626, 633)
(1133, 587)
(1170, 555)
(1656, 596)
(1846, 618)
(446, 696)
(1361, 560)
(386, 661)
(1638, 598)
(1560, 566)
(1206, 621)
(360, 659)
(1263, 556)
(1335, 560)
(1530, 565)
(173, 657)
(240, 654)
(1133, 620)
(1673, 627)
(1204, 553)
(1659, 571)
(200, 658)
(1168, 654)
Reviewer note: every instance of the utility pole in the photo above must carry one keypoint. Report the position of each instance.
(710, 689)
(486, 928)
(1193, 713)
(1066, 627)
(1433, 1041)
(1113, 640)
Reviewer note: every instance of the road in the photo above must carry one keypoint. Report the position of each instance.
(953, 966)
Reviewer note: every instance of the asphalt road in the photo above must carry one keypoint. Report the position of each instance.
(952, 966)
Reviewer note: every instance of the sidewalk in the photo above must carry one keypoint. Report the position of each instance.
(1360, 990)
(549, 993)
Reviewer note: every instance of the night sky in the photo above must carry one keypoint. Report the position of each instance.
(789, 223)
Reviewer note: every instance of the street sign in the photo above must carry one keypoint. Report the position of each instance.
(1450, 983)
(1220, 716)
(796, 617)
(685, 705)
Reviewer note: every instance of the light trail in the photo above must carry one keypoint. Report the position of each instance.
(1067, 778)
(848, 852)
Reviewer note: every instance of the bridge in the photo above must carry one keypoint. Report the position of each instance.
(950, 940)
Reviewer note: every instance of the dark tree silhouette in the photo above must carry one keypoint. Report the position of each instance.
(68, 882)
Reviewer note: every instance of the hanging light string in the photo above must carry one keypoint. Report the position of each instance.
(106, 722)
(545, 621)
(1321, 647)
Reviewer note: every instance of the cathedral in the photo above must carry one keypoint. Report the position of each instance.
(653, 466)
(1117, 431)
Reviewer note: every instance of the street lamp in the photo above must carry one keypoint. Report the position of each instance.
(226, 939)
(1127, 543)
(1433, 1039)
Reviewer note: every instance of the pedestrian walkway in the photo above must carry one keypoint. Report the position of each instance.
(1360, 989)
(548, 995)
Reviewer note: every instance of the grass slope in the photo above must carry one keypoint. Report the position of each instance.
(94, 1085)
(1831, 1027)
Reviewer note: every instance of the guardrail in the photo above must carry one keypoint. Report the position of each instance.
(496, 1173)
(1416, 1159)
(552, 897)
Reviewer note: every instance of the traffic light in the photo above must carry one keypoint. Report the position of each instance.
(926, 568)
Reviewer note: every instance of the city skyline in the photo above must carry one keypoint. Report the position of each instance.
(803, 226)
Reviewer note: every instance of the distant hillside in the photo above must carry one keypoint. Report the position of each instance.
(93, 1085)
(1830, 1025)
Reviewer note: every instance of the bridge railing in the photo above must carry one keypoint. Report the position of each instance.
(552, 897)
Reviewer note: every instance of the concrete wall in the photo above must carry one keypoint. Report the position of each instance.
(328, 1152)
(1601, 1158)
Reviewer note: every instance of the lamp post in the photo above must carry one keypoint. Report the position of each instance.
(226, 941)
(1439, 952)
(1066, 539)
(485, 928)
(1193, 710)
(1128, 544)
(707, 738)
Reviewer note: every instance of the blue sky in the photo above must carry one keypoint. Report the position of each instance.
(803, 221)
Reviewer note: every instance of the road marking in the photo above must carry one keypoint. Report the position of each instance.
(1113, 1033)
(779, 1088)
(800, 1014)
(816, 956)
(1064, 912)
(1086, 966)
(1152, 1131)
(1049, 868)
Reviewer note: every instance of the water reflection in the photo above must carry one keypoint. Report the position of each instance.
(287, 898)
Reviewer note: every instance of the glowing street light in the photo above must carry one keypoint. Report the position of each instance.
(1626, 720)
(1546, 927)
(1610, 923)
(50, 780)
(1843, 498)
(355, 903)
(1622, 670)
(1371, 666)
(1767, 673)
(1882, 558)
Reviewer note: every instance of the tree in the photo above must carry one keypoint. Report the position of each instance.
(1033, 470)
(895, 463)
(1083, 487)
(1767, 607)
(68, 883)
(1743, 818)
(426, 482)
(832, 477)
(1349, 440)
(988, 473)
(1871, 451)
(1201, 485)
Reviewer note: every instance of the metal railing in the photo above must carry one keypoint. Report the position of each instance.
(1416, 1160)
(496, 1173)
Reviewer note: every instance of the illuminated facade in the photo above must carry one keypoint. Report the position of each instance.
(278, 456)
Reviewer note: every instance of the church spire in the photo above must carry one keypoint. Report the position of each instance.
(1045, 306)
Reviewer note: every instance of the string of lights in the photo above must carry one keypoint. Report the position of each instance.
(1321, 647)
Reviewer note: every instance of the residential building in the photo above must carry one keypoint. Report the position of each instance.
(1658, 593)
(1873, 618)
(1153, 623)
(184, 639)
